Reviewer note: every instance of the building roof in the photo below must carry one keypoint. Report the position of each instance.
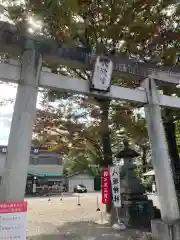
(78, 173)
(127, 152)
(44, 174)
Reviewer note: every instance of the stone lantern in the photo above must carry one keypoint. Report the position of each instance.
(136, 210)
(130, 182)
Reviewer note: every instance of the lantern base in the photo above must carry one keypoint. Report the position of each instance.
(119, 226)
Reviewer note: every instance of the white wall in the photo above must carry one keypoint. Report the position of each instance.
(81, 176)
(84, 179)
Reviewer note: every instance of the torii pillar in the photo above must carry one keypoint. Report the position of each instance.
(16, 165)
(162, 166)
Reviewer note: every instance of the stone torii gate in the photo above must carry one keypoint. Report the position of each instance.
(29, 74)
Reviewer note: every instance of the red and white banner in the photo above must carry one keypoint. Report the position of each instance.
(13, 220)
(105, 186)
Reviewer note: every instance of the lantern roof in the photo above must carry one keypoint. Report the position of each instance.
(127, 152)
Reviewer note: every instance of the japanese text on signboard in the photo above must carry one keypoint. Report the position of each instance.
(13, 220)
(102, 73)
(115, 183)
(105, 186)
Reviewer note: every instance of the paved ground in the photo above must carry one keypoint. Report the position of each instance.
(65, 220)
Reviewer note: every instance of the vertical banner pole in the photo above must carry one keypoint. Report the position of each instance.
(97, 201)
(79, 204)
(116, 194)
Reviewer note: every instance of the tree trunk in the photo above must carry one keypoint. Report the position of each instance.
(106, 141)
(144, 161)
(170, 130)
(105, 133)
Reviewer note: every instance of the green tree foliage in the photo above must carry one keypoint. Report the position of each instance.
(141, 29)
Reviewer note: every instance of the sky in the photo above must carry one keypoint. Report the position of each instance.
(6, 111)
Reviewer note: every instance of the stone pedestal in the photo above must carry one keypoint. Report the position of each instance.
(164, 231)
(136, 214)
(140, 211)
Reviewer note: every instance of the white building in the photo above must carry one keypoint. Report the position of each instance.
(42, 163)
(80, 178)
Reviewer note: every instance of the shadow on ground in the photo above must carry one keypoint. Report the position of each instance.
(52, 196)
(90, 231)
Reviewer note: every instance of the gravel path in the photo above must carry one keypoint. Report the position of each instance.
(65, 220)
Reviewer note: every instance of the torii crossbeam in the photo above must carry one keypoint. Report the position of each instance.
(13, 41)
(12, 72)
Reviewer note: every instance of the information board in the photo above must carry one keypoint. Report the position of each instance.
(13, 220)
